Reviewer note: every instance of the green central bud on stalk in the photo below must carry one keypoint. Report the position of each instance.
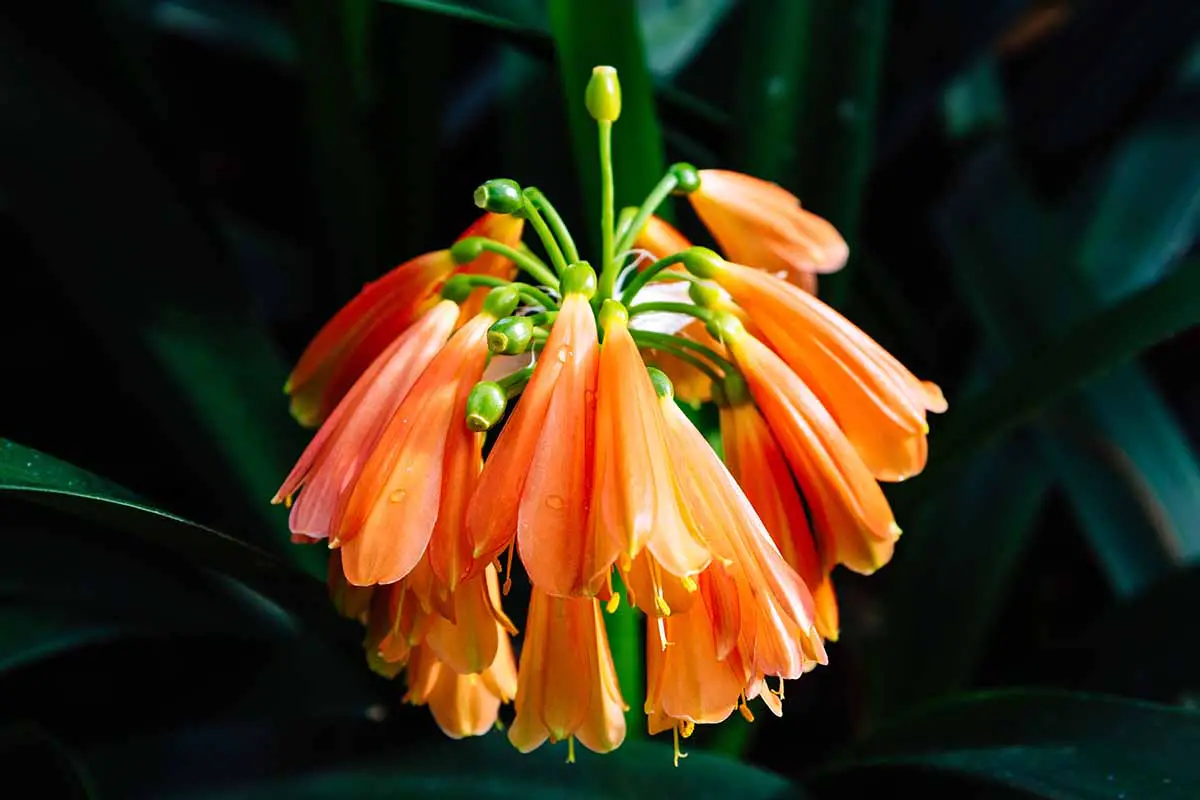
(510, 336)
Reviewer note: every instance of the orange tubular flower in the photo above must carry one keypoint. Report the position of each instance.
(411, 488)
(762, 606)
(330, 465)
(537, 482)
(689, 682)
(877, 402)
(635, 497)
(762, 224)
(854, 522)
(755, 459)
(384, 309)
(567, 686)
(462, 705)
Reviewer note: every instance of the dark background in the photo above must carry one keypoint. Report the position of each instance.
(190, 188)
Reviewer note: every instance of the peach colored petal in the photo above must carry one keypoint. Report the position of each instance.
(467, 645)
(330, 465)
(660, 239)
(635, 497)
(762, 225)
(392, 510)
(755, 459)
(556, 673)
(360, 331)
(851, 514)
(879, 404)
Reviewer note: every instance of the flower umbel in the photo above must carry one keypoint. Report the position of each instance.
(594, 469)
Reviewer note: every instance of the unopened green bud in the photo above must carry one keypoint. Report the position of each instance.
(613, 312)
(724, 326)
(464, 251)
(500, 196)
(687, 177)
(662, 384)
(702, 262)
(485, 405)
(579, 278)
(603, 96)
(501, 301)
(457, 289)
(510, 336)
(735, 389)
(705, 294)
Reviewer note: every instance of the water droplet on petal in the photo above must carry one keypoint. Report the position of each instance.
(398, 496)
(562, 355)
(555, 502)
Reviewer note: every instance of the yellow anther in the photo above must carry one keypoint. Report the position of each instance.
(660, 603)
(287, 501)
(614, 603)
(687, 728)
(571, 749)
(508, 569)
(689, 583)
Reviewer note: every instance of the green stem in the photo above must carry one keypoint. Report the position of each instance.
(653, 200)
(647, 275)
(513, 383)
(699, 312)
(534, 216)
(557, 226)
(624, 220)
(678, 346)
(530, 265)
(608, 270)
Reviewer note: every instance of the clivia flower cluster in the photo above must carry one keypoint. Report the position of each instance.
(593, 468)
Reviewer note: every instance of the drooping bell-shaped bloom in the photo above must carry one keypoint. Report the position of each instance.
(879, 404)
(764, 607)
(411, 488)
(853, 520)
(462, 705)
(537, 482)
(636, 499)
(687, 682)
(757, 462)
(762, 225)
(351, 602)
(330, 465)
(384, 309)
(566, 684)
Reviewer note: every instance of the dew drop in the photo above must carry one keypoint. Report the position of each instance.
(398, 496)
(562, 355)
(555, 502)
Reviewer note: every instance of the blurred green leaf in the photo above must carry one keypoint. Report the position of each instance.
(333, 41)
(150, 278)
(1026, 290)
(516, 33)
(27, 635)
(1044, 743)
(34, 476)
(479, 767)
(587, 35)
(950, 574)
(1099, 343)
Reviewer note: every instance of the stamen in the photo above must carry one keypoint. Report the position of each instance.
(689, 583)
(614, 603)
(687, 729)
(678, 753)
(660, 602)
(571, 749)
(287, 501)
(779, 693)
(508, 568)
(745, 709)
(662, 632)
